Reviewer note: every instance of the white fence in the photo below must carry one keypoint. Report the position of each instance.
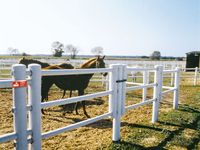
(191, 75)
(192, 78)
(30, 136)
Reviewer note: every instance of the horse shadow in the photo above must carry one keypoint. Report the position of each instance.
(69, 108)
(95, 101)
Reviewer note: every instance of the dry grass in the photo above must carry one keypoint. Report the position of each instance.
(173, 131)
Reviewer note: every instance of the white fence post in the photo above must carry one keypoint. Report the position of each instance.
(158, 79)
(172, 76)
(124, 79)
(145, 81)
(35, 102)
(113, 100)
(117, 83)
(195, 75)
(176, 85)
(20, 112)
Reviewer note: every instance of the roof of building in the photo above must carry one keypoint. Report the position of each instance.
(194, 52)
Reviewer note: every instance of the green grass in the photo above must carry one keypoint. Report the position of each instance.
(5, 73)
(176, 129)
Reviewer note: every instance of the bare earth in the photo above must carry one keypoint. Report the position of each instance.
(94, 136)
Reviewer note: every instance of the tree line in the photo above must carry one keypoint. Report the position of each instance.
(59, 48)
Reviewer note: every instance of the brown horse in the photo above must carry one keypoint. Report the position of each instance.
(26, 62)
(77, 82)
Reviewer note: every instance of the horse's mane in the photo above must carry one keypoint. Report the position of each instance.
(87, 63)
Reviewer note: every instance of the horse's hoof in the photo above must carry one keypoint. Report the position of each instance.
(87, 116)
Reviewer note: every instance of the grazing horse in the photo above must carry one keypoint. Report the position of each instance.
(77, 82)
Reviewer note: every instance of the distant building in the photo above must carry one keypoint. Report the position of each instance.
(193, 59)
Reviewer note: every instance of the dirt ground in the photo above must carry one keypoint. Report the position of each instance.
(94, 136)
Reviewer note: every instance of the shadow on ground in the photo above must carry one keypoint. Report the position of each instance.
(169, 135)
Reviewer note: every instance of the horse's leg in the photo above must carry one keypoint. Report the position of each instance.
(70, 93)
(46, 85)
(81, 92)
(76, 107)
(64, 106)
(64, 92)
(84, 110)
(42, 100)
(70, 105)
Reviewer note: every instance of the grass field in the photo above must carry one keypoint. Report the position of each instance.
(176, 129)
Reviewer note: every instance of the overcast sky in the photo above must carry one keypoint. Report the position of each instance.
(121, 27)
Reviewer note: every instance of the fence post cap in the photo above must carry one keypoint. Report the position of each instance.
(18, 65)
(30, 65)
(158, 67)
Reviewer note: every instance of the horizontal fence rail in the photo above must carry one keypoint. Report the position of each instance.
(140, 87)
(6, 83)
(75, 99)
(75, 125)
(140, 104)
(8, 137)
(27, 130)
(73, 71)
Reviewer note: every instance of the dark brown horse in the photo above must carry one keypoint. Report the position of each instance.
(77, 82)
(26, 62)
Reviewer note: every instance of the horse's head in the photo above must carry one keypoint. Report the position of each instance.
(94, 63)
(100, 63)
(24, 61)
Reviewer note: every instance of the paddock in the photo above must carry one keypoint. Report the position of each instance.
(118, 87)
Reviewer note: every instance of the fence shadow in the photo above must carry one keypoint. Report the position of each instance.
(169, 135)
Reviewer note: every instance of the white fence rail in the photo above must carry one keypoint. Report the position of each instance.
(30, 136)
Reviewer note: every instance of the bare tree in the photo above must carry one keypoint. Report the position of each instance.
(97, 50)
(57, 48)
(72, 50)
(156, 55)
(13, 51)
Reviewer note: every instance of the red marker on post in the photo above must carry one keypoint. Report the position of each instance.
(19, 83)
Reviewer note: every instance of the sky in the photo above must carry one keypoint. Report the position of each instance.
(120, 27)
